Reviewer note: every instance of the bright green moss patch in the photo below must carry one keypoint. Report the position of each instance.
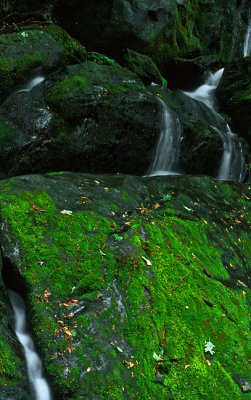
(126, 283)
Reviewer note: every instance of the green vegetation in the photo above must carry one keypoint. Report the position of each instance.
(122, 290)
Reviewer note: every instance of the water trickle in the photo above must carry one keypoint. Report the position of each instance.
(168, 147)
(247, 42)
(32, 83)
(232, 165)
(34, 364)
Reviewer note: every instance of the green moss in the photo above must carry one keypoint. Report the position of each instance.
(100, 59)
(146, 294)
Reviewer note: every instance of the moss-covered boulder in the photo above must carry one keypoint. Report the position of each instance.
(143, 66)
(234, 93)
(99, 116)
(34, 48)
(136, 288)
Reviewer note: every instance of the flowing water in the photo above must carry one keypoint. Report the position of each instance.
(32, 83)
(34, 364)
(247, 43)
(232, 166)
(168, 147)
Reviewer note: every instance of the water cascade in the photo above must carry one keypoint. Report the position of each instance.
(247, 43)
(168, 147)
(34, 364)
(232, 166)
(32, 83)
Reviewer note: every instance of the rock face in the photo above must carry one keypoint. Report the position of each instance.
(160, 29)
(234, 93)
(114, 273)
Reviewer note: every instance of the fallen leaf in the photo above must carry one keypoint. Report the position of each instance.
(156, 357)
(187, 365)
(68, 212)
(209, 347)
(148, 262)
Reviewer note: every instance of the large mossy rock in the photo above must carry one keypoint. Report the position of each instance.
(128, 278)
(89, 117)
(158, 28)
(234, 93)
(143, 66)
(35, 48)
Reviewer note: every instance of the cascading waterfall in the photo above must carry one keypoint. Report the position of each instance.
(232, 166)
(247, 42)
(168, 147)
(34, 364)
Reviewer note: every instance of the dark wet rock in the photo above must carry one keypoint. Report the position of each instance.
(188, 74)
(160, 29)
(102, 322)
(234, 93)
(243, 383)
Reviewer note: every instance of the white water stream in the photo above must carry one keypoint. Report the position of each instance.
(232, 166)
(32, 83)
(34, 364)
(247, 42)
(168, 147)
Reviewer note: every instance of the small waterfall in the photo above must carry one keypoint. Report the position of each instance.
(34, 364)
(247, 42)
(32, 83)
(232, 166)
(205, 93)
(168, 147)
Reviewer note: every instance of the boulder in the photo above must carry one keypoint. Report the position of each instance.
(33, 49)
(100, 116)
(117, 296)
(159, 29)
(234, 94)
(143, 66)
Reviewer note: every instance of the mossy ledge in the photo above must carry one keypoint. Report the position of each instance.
(127, 278)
